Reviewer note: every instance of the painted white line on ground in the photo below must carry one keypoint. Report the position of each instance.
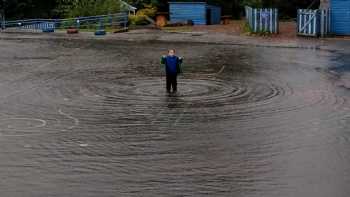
(220, 71)
(43, 122)
(76, 121)
(211, 74)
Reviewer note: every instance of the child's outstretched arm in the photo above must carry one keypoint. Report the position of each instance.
(162, 60)
(180, 60)
(179, 67)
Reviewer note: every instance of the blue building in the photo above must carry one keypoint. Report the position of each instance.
(200, 13)
(340, 16)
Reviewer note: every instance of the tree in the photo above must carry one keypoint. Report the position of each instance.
(17, 9)
(324, 4)
(75, 8)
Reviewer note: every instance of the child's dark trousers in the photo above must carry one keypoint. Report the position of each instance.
(171, 82)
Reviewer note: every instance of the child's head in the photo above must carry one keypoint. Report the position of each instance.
(171, 52)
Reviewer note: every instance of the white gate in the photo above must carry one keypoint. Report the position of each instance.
(313, 22)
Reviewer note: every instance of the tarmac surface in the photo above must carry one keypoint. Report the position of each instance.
(92, 118)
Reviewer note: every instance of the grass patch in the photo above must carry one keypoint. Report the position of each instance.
(249, 31)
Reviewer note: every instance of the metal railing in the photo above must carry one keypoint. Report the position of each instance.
(91, 22)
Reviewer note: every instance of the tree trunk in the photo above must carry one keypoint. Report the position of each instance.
(236, 12)
(324, 4)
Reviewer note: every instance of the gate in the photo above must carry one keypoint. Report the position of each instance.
(262, 20)
(313, 22)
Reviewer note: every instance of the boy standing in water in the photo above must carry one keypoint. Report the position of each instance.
(172, 68)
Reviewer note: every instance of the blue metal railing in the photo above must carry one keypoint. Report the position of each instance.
(118, 19)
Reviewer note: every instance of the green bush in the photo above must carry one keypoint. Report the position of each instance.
(247, 28)
(249, 31)
(148, 10)
(142, 14)
(69, 23)
(138, 20)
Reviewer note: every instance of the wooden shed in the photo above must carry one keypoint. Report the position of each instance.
(340, 16)
(200, 13)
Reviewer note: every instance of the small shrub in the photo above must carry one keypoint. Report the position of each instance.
(71, 23)
(140, 17)
(249, 31)
(138, 20)
(149, 11)
(247, 28)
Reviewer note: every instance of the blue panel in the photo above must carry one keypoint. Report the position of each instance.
(340, 16)
(215, 14)
(182, 11)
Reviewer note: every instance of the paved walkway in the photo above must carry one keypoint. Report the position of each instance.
(337, 44)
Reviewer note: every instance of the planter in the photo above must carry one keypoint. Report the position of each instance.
(72, 31)
(226, 19)
(161, 20)
(101, 32)
(48, 30)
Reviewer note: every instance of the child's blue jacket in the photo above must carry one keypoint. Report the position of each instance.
(172, 64)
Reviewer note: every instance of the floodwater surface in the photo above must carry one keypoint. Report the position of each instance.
(92, 118)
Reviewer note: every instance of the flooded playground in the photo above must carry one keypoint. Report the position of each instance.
(92, 118)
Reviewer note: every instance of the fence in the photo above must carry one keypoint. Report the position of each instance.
(43, 26)
(91, 22)
(262, 19)
(313, 22)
